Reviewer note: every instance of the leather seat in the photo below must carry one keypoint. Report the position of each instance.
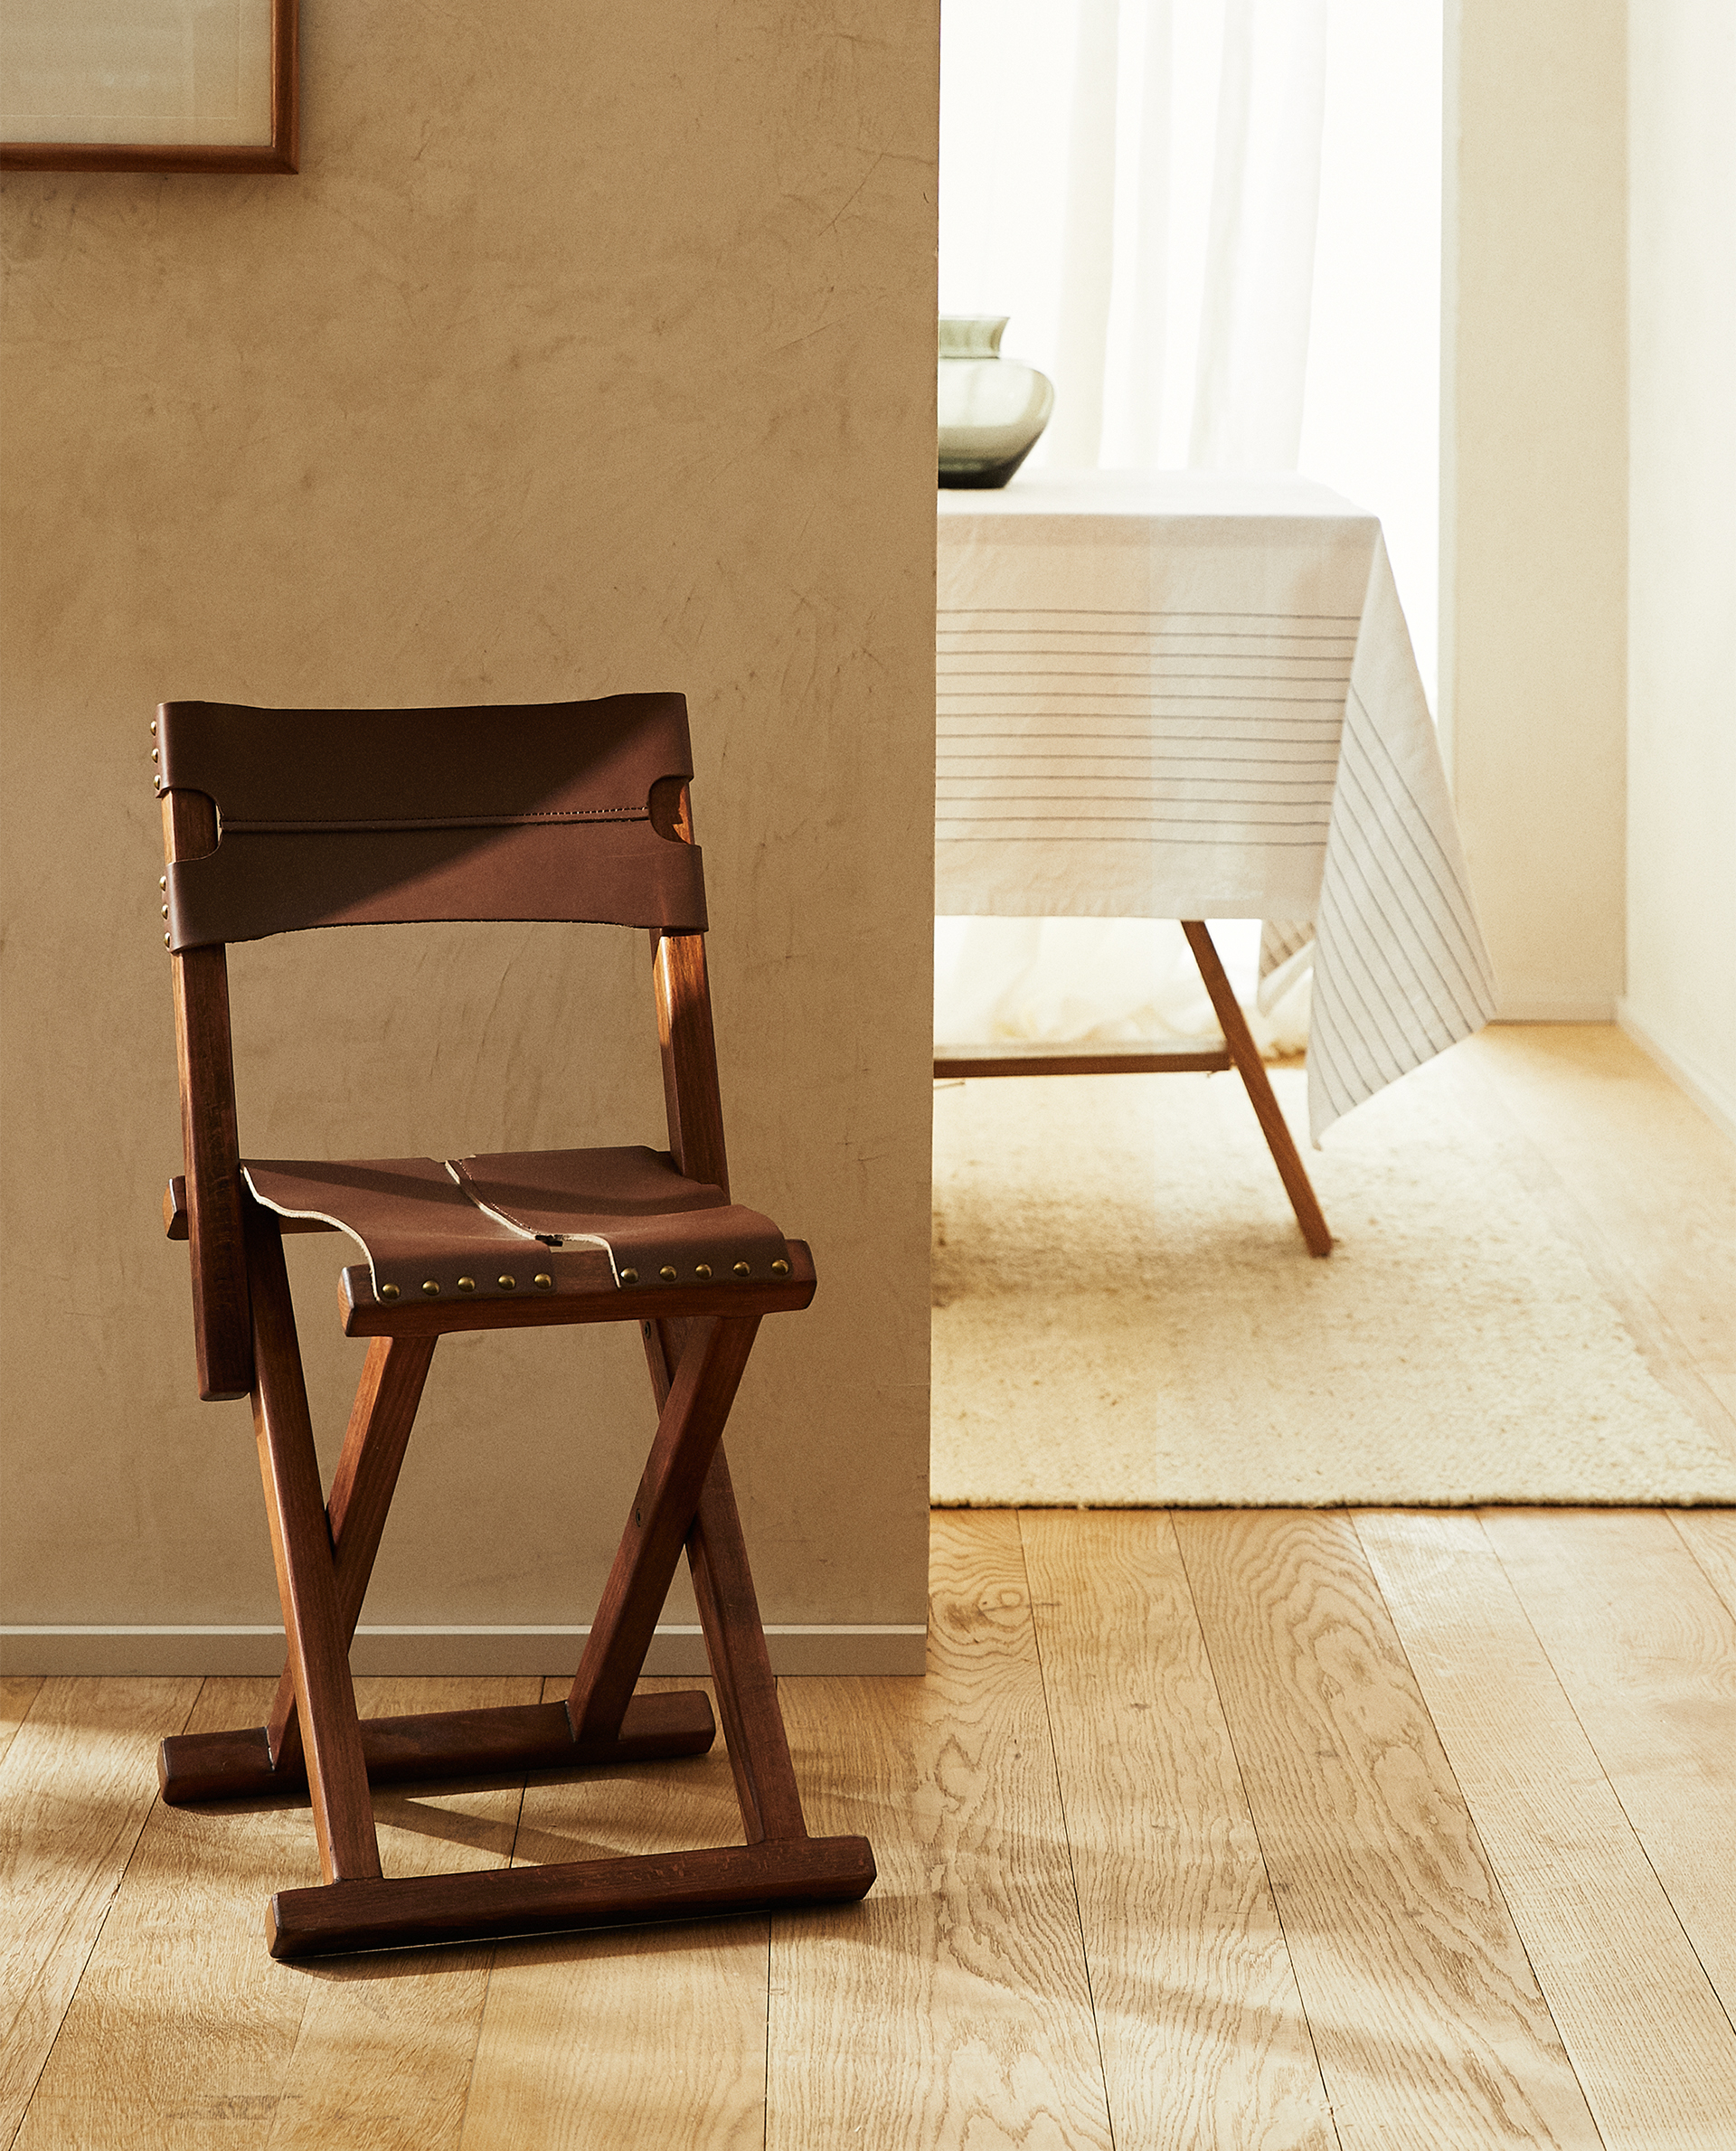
(550, 1221)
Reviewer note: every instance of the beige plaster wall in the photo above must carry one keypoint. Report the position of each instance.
(1534, 489)
(1682, 545)
(592, 349)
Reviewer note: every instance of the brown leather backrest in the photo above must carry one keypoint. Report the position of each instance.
(346, 818)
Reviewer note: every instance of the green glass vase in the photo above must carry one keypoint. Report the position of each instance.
(993, 410)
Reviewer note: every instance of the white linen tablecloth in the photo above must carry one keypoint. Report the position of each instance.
(1192, 695)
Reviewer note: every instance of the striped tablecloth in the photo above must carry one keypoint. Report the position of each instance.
(1193, 695)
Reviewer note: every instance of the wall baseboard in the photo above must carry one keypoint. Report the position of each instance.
(863, 1647)
(1562, 1008)
(1712, 1091)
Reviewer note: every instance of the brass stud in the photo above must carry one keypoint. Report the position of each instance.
(543, 1281)
(780, 1268)
(168, 940)
(629, 1276)
(669, 1271)
(467, 1284)
(506, 1284)
(153, 728)
(703, 1269)
(154, 754)
(162, 881)
(388, 1291)
(166, 910)
(744, 1270)
(431, 1287)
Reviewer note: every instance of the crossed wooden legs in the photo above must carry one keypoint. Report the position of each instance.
(323, 1557)
(1117, 1057)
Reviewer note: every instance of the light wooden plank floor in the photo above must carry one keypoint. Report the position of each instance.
(1265, 1828)
(1297, 1832)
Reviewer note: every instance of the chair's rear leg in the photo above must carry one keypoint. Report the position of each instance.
(688, 1429)
(1251, 1068)
(337, 1775)
(380, 1419)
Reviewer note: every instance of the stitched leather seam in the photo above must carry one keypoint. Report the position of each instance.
(445, 821)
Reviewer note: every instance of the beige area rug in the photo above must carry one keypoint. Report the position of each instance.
(1124, 1315)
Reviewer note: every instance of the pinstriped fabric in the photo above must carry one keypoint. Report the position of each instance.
(1401, 968)
(1144, 712)
(1167, 749)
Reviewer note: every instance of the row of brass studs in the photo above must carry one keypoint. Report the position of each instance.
(431, 1285)
(702, 1271)
(545, 1283)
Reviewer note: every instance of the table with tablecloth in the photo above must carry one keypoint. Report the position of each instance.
(1193, 695)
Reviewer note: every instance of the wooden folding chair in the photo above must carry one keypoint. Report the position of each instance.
(1113, 1056)
(277, 820)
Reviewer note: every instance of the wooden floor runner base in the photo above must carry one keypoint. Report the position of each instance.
(413, 1910)
(537, 1736)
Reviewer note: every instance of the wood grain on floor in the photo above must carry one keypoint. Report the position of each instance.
(76, 1786)
(1633, 2004)
(382, 2055)
(1710, 1535)
(1427, 2016)
(1302, 1832)
(656, 2036)
(1203, 2036)
(17, 1692)
(185, 2033)
(1646, 1651)
(952, 2007)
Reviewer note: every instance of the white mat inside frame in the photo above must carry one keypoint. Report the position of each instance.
(1124, 1315)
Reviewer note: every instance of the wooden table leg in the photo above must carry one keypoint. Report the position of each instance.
(1245, 1054)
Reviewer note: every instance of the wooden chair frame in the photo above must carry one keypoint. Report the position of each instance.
(1238, 1052)
(696, 1347)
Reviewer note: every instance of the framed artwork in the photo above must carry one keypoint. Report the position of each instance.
(148, 85)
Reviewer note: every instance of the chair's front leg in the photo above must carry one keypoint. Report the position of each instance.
(735, 1639)
(735, 1642)
(688, 1430)
(337, 1775)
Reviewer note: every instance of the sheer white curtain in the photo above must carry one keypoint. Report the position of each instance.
(1137, 183)
(1216, 225)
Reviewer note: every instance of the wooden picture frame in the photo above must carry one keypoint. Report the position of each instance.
(95, 70)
